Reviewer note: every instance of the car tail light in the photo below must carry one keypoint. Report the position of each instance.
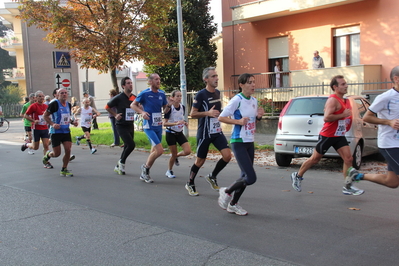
(280, 119)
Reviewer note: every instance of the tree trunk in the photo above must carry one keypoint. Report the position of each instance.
(114, 80)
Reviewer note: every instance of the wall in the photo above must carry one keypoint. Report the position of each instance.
(39, 70)
(245, 48)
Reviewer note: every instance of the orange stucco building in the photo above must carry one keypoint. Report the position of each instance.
(356, 38)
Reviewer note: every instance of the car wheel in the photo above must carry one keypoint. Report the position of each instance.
(357, 157)
(283, 159)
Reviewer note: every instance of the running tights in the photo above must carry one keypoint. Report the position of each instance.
(126, 132)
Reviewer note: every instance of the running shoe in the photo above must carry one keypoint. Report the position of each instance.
(24, 147)
(46, 158)
(191, 190)
(117, 170)
(93, 151)
(72, 157)
(224, 198)
(112, 145)
(351, 175)
(145, 175)
(237, 209)
(212, 181)
(352, 190)
(77, 141)
(296, 181)
(170, 174)
(121, 167)
(177, 162)
(30, 151)
(48, 165)
(66, 173)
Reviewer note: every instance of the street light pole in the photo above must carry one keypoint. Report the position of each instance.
(183, 87)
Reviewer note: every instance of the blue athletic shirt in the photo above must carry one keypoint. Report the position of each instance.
(152, 103)
(238, 107)
(60, 115)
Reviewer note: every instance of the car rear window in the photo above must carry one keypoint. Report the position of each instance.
(306, 106)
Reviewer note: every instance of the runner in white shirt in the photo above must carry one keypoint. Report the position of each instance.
(174, 123)
(242, 111)
(87, 113)
(386, 106)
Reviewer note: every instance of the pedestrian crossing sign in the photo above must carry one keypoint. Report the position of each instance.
(61, 59)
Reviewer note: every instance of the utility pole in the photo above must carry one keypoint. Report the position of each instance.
(183, 83)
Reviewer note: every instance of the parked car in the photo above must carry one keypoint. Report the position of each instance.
(301, 120)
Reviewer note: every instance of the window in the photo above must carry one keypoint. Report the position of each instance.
(91, 88)
(361, 107)
(347, 46)
(278, 52)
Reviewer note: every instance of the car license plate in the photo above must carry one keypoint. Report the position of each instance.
(303, 150)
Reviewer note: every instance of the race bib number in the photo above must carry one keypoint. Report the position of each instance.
(86, 119)
(156, 119)
(249, 128)
(214, 125)
(65, 118)
(42, 122)
(129, 114)
(341, 129)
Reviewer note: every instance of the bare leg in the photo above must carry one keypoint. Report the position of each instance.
(314, 159)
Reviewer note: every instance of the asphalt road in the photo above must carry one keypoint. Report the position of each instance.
(97, 217)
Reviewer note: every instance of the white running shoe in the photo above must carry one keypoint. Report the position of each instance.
(145, 175)
(93, 151)
(236, 209)
(296, 181)
(351, 174)
(352, 190)
(30, 151)
(170, 174)
(121, 167)
(224, 198)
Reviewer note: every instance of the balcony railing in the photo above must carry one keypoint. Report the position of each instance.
(17, 73)
(276, 97)
(11, 41)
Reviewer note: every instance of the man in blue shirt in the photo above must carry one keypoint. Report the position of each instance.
(59, 117)
(152, 101)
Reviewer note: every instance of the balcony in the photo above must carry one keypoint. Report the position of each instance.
(14, 75)
(11, 43)
(267, 9)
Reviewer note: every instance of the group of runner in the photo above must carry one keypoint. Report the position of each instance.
(51, 121)
(152, 102)
(242, 112)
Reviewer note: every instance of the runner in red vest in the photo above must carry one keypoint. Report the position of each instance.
(34, 114)
(337, 121)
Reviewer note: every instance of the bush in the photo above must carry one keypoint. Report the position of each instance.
(10, 94)
(266, 104)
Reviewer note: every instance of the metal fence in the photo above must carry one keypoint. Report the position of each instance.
(271, 97)
(277, 97)
(11, 109)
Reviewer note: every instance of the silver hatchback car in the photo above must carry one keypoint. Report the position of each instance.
(301, 121)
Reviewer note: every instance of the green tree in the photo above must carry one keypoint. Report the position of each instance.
(199, 52)
(10, 94)
(6, 61)
(103, 34)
